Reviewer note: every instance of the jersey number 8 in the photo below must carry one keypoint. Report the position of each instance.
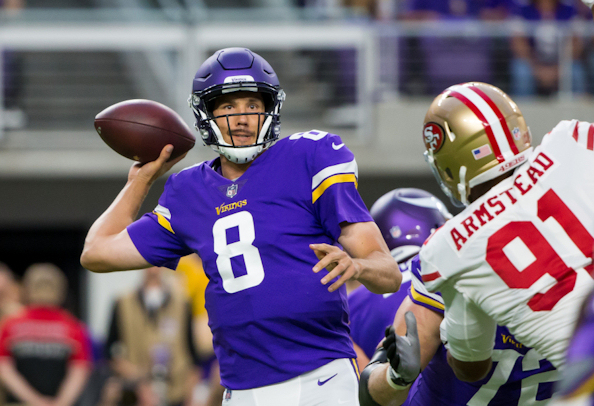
(251, 256)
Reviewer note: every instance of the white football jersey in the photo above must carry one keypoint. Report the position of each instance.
(523, 251)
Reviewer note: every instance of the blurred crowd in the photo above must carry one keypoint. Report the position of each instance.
(526, 63)
(538, 58)
(158, 349)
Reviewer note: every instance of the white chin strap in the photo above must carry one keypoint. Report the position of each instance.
(462, 188)
(241, 155)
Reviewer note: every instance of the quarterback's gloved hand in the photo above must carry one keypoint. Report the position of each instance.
(404, 354)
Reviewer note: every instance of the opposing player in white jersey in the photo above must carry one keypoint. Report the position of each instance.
(520, 254)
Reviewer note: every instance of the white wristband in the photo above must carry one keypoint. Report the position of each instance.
(389, 373)
(588, 3)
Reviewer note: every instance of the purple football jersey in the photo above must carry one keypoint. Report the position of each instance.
(271, 317)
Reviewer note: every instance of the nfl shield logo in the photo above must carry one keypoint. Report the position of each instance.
(232, 191)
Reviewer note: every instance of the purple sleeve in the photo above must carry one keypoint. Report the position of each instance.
(334, 186)
(417, 291)
(157, 243)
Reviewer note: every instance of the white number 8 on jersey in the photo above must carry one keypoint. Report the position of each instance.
(251, 256)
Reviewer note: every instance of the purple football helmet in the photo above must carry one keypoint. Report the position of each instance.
(406, 218)
(233, 70)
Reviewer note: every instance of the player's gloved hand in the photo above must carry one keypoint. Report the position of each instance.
(404, 354)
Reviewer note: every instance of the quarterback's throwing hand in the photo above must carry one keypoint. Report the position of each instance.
(151, 171)
(336, 262)
(404, 354)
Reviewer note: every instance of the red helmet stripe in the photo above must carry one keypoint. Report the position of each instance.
(486, 124)
(499, 115)
(575, 131)
(590, 144)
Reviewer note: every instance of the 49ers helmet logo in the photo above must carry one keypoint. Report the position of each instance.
(433, 135)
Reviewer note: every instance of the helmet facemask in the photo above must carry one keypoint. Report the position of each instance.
(202, 104)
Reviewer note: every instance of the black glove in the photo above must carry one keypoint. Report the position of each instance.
(404, 353)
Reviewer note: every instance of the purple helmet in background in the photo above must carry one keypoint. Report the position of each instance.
(233, 70)
(406, 218)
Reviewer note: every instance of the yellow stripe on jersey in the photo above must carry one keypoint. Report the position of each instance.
(354, 362)
(583, 389)
(164, 222)
(343, 178)
(424, 299)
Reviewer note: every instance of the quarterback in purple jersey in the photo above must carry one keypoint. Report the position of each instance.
(265, 217)
(405, 217)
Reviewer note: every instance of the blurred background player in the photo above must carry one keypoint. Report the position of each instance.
(10, 293)
(45, 354)
(151, 338)
(406, 218)
(264, 217)
(520, 254)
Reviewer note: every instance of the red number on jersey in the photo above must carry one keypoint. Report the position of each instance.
(547, 260)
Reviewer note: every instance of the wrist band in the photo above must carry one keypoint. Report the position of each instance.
(392, 377)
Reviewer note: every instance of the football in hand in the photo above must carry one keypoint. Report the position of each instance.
(139, 129)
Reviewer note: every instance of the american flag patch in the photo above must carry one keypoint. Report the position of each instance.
(482, 152)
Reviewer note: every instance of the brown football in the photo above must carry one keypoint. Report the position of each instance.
(139, 129)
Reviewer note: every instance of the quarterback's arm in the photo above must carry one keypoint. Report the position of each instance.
(108, 247)
(428, 329)
(365, 258)
(469, 334)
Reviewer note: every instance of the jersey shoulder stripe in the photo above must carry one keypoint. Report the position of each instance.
(425, 300)
(163, 217)
(583, 134)
(349, 168)
(341, 173)
(418, 293)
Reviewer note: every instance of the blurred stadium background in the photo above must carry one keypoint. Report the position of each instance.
(364, 69)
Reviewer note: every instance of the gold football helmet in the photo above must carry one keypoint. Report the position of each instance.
(473, 133)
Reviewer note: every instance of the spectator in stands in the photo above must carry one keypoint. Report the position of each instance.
(10, 295)
(432, 63)
(535, 63)
(45, 354)
(150, 337)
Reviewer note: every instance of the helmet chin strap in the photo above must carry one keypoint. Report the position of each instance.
(240, 155)
(462, 188)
